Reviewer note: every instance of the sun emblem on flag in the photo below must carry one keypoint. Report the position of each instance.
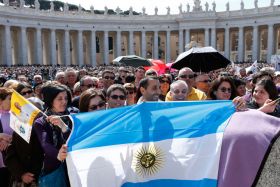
(148, 160)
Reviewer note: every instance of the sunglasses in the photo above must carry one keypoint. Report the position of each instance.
(180, 91)
(90, 85)
(108, 77)
(223, 89)
(205, 81)
(187, 76)
(164, 81)
(152, 73)
(130, 92)
(100, 105)
(27, 92)
(122, 97)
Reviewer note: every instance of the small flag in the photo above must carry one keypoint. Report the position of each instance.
(23, 114)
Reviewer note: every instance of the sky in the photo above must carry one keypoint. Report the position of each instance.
(162, 5)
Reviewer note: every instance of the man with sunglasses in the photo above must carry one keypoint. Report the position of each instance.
(116, 96)
(186, 74)
(203, 82)
(108, 78)
(86, 82)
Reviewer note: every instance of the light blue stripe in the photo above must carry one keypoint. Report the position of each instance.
(148, 122)
(174, 183)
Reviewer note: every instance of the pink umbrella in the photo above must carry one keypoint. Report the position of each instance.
(168, 65)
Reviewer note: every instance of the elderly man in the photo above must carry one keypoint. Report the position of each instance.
(60, 77)
(37, 79)
(86, 82)
(179, 90)
(70, 78)
(187, 75)
(149, 87)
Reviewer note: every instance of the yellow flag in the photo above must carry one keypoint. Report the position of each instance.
(23, 114)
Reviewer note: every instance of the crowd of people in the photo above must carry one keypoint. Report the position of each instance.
(60, 91)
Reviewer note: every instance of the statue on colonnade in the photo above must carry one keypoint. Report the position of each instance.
(197, 6)
(37, 5)
(206, 6)
(214, 6)
(92, 9)
(156, 10)
(52, 6)
(188, 7)
(130, 11)
(65, 7)
(241, 5)
(256, 4)
(180, 9)
(118, 10)
(79, 8)
(227, 6)
(6, 2)
(144, 10)
(105, 10)
(168, 10)
(272, 2)
(21, 3)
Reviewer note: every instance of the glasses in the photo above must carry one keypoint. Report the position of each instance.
(130, 92)
(122, 97)
(90, 85)
(27, 92)
(205, 81)
(100, 105)
(164, 81)
(151, 73)
(187, 76)
(108, 77)
(180, 91)
(223, 89)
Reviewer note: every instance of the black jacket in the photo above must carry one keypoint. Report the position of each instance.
(22, 157)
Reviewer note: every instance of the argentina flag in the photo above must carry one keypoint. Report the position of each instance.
(150, 144)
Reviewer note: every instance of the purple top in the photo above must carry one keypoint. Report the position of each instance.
(45, 133)
(246, 140)
(5, 120)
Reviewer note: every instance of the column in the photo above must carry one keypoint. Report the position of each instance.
(8, 46)
(167, 60)
(227, 52)
(213, 38)
(187, 37)
(241, 44)
(53, 47)
(131, 43)
(106, 48)
(255, 52)
(181, 41)
(143, 44)
(23, 46)
(206, 37)
(270, 42)
(93, 48)
(39, 56)
(155, 50)
(66, 48)
(80, 48)
(119, 44)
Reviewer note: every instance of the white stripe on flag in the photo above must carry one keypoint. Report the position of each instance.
(183, 159)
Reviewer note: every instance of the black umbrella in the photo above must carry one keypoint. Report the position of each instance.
(201, 59)
(132, 60)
